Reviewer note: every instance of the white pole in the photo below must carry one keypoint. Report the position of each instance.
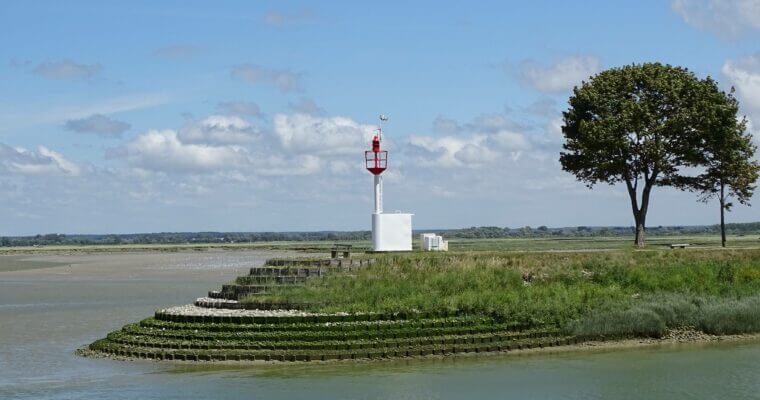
(378, 194)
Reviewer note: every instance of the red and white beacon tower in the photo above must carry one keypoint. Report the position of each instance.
(390, 231)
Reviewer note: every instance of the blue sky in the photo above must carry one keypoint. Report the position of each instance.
(251, 116)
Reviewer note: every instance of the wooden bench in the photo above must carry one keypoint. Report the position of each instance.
(341, 248)
(679, 245)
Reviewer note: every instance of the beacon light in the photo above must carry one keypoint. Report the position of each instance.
(390, 231)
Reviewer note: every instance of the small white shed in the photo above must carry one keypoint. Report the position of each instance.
(433, 242)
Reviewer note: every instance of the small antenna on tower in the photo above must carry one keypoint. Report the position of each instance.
(383, 118)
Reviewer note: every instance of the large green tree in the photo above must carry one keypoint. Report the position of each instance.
(638, 125)
(727, 165)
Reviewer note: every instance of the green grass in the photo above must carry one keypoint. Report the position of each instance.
(653, 317)
(598, 243)
(623, 293)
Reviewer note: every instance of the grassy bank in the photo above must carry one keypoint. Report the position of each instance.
(616, 293)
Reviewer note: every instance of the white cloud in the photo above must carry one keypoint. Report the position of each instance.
(41, 162)
(303, 133)
(61, 163)
(509, 141)
(229, 145)
(98, 124)
(726, 18)
(163, 150)
(67, 69)
(219, 129)
(754, 130)
(451, 151)
(744, 74)
(225, 122)
(552, 136)
(487, 139)
(284, 80)
(470, 151)
(559, 77)
(475, 154)
(280, 165)
(340, 167)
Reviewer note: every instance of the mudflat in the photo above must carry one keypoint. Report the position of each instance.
(24, 262)
(142, 265)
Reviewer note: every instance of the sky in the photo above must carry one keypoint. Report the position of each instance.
(144, 116)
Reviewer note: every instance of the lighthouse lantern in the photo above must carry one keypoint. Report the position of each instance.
(376, 160)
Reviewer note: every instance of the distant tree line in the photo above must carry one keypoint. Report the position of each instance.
(484, 232)
(180, 238)
(480, 232)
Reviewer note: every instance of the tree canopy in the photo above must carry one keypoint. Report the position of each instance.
(643, 125)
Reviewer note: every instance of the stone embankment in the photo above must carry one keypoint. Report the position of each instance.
(278, 273)
(220, 328)
(296, 337)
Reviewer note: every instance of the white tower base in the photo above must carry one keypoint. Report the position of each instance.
(391, 232)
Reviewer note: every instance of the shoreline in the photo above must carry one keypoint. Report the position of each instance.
(672, 338)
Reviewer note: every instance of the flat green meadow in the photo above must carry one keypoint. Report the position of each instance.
(606, 291)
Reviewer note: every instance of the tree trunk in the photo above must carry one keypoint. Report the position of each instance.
(640, 213)
(639, 241)
(722, 216)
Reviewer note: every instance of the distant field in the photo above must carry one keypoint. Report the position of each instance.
(521, 244)
(597, 243)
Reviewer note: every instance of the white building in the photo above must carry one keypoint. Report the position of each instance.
(433, 242)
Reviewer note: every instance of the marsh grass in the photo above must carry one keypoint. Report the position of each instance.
(623, 293)
(654, 317)
(731, 316)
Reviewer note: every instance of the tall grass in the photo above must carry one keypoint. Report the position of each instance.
(731, 316)
(622, 293)
(653, 317)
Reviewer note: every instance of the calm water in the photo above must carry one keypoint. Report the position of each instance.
(50, 306)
